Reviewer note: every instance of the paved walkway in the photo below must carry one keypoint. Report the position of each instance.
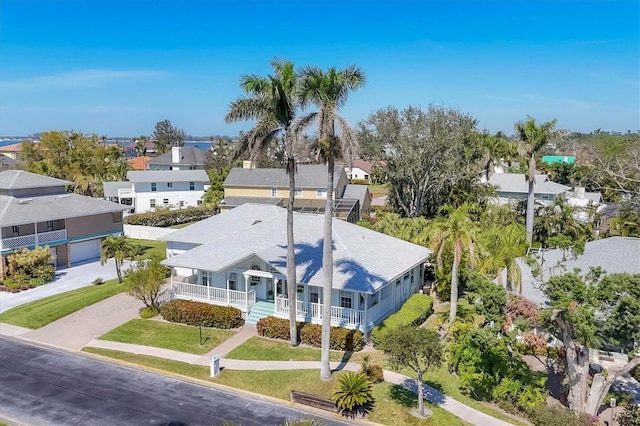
(83, 328)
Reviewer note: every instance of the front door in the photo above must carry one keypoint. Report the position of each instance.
(270, 289)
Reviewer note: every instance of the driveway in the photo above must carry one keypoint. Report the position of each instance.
(65, 279)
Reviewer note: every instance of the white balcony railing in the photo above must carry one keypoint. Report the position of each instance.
(217, 296)
(343, 317)
(33, 239)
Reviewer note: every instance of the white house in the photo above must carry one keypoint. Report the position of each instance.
(146, 190)
(238, 258)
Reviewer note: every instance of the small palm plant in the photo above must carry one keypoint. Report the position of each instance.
(353, 394)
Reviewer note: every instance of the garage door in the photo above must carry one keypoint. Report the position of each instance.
(85, 250)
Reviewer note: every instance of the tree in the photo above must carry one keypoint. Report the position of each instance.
(504, 244)
(532, 139)
(328, 91)
(271, 102)
(118, 248)
(353, 393)
(141, 145)
(416, 348)
(574, 304)
(454, 233)
(426, 154)
(145, 282)
(166, 136)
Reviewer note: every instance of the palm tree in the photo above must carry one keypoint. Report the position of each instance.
(272, 102)
(141, 146)
(118, 248)
(532, 139)
(328, 91)
(456, 233)
(353, 393)
(504, 245)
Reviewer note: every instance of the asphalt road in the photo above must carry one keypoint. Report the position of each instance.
(43, 386)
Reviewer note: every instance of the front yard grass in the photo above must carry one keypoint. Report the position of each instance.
(151, 248)
(44, 311)
(379, 190)
(392, 407)
(176, 337)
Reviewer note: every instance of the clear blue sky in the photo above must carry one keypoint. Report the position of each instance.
(118, 67)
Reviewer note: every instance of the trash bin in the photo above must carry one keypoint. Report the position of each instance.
(214, 365)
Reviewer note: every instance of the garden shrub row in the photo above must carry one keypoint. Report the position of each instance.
(199, 313)
(414, 312)
(164, 218)
(341, 339)
(28, 268)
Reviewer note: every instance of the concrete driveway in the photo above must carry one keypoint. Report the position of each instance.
(64, 280)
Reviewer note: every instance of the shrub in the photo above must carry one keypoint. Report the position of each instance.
(29, 268)
(374, 372)
(414, 312)
(353, 394)
(165, 218)
(359, 182)
(630, 416)
(557, 416)
(98, 281)
(149, 311)
(341, 339)
(199, 313)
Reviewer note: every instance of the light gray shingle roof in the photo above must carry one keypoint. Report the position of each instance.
(138, 176)
(190, 155)
(17, 211)
(8, 161)
(516, 182)
(613, 254)
(307, 176)
(110, 189)
(356, 192)
(19, 179)
(364, 260)
(238, 201)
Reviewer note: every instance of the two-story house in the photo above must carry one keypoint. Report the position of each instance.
(36, 210)
(146, 190)
(179, 158)
(271, 186)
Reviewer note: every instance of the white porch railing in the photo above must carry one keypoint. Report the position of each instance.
(217, 296)
(343, 317)
(33, 239)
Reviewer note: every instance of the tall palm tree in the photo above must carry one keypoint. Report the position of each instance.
(328, 91)
(271, 101)
(120, 248)
(455, 233)
(532, 139)
(504, 244)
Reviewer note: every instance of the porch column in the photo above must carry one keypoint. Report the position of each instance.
(366, 324)
(246, 292)
(228, 287)
(35, 230)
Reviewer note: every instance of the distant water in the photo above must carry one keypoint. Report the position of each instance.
(6, 142)
(200, 144)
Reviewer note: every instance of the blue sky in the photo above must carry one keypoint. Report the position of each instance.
(118, 67)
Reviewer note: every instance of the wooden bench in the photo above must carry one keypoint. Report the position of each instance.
(313, 401)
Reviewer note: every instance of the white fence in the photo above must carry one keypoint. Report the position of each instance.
(145, 232)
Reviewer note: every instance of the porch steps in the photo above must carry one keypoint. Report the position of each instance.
(260, 310)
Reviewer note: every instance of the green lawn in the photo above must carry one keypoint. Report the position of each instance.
(182, 225)
(392, 407)
(151, 248)
(42, 312)
(177, 337)
(379, 190)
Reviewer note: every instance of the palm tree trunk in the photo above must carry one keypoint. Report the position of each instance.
(531, 198)
(291, 256)
(118, 269)
(454, 286)
(327, 269)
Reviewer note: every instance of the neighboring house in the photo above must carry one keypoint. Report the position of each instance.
(613, 255)
(550, 159)
(271, 186)
(7, 162)
(179, 158)
(146, 190)
(239, 259)
(12, 151)
(139, 163)
(149, 148)
(358, 169)
(36, 210)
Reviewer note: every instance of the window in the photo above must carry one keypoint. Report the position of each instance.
(165, 201)
(154, 187)
(314, 295)
(152, 202)
(205, 278)
(297, 193)
(366, 177)
(274, 192)
(321, 193)
(169, 184)
(232, 281)
(16, 229)
(412, 277)
(373, 299)
(199, 202)
(345, 299)
(255, 280)
(50, 223)
(115, 217)
(192, 186)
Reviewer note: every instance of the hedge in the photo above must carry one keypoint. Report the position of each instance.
(341, 339)
(199, 313)
(414, 312)
(165, 218)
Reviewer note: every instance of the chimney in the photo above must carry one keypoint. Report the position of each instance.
(248, 165)
(176, 155)
(579, 192)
